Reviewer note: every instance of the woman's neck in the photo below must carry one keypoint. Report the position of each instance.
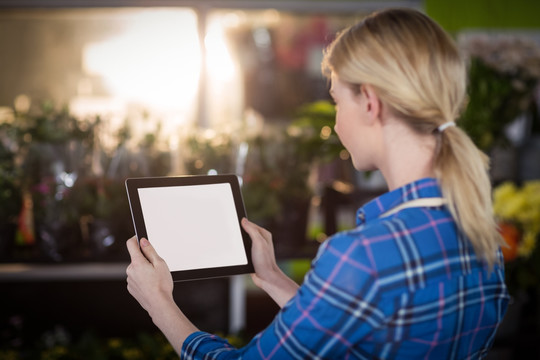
(407, 157)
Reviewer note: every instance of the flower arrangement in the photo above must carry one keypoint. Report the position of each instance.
(504, 72)
(518, 212)
(520, 206)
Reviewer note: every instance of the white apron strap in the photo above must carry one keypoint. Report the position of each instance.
(422, 202)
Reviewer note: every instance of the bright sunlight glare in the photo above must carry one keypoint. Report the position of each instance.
(154, 61)
(219, 62)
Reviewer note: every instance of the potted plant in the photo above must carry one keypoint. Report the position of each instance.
(55, 149)
(10, 194)
(504, 72)
(517, 209)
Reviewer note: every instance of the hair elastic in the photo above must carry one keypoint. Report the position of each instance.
(447, 124)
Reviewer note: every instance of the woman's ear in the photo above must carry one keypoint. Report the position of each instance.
(373, 103)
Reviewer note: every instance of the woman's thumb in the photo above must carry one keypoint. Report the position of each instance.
(148, 250)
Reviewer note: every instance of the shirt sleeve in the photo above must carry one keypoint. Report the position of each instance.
(332, 310)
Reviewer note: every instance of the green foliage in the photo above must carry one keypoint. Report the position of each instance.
(53, 126)
(72, 175)
(207, 151)
(317, 138)
(10, 192)
(75, 182)
(495, 99)
(57, 344)
(504, 72)
(280, 161)
(276, 173)
(523, 273)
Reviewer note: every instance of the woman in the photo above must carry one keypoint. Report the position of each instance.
(421, 275)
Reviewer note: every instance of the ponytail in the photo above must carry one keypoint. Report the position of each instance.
(463, 173)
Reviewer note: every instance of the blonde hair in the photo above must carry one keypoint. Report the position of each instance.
(418, 73)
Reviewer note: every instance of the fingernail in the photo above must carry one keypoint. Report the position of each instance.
(144, 242)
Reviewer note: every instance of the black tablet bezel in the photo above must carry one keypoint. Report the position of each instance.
(132, 186)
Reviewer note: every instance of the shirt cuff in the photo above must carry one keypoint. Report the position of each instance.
(199, 343)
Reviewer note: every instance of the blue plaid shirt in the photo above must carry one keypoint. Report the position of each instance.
(404, 286)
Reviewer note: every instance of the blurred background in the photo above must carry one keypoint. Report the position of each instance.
(93, 92)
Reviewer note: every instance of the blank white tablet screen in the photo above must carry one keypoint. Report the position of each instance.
(193, 226)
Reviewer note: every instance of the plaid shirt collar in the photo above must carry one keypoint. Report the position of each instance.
(423, 188)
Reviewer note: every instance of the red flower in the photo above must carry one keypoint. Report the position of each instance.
(511, 236)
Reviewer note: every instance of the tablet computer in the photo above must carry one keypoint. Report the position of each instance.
(193, 222)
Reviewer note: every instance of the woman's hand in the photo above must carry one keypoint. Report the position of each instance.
(149, 280)
(268, 276)
(150, 283)
(262, 252)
